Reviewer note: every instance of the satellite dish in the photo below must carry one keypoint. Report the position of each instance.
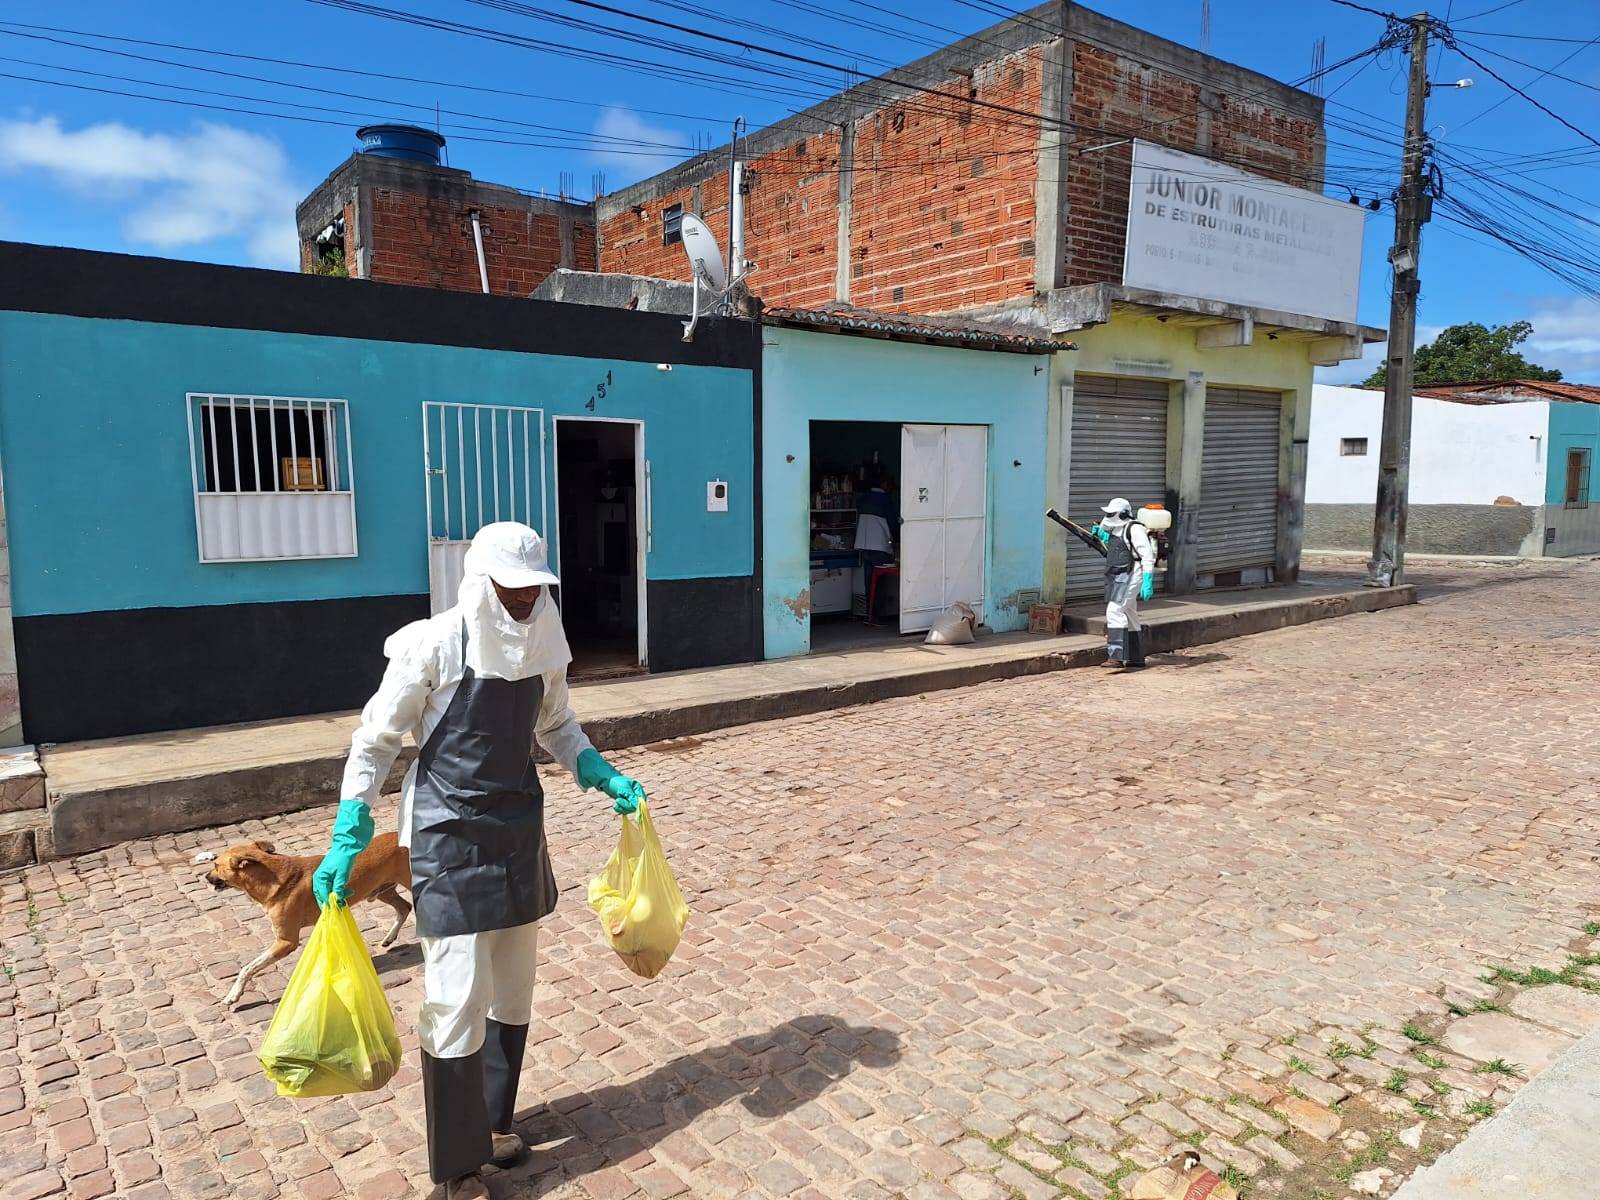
(704, 255)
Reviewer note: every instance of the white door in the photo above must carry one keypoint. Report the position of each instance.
(482, 463)
(944, 504)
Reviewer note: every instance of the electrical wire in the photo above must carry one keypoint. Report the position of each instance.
(6, 26)
(1547, 71)
(1491, 11)
(1549, 112)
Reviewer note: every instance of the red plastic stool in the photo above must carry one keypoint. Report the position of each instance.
(875, 574)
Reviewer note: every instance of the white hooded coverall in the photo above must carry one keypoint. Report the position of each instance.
(474, 976)
(1122, 607)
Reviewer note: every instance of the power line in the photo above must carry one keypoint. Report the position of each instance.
(1550, 71)
(346, 70)
(381, 100)
(1487, 69)
(1491, 11)
(1547, 71)
(1376, 12)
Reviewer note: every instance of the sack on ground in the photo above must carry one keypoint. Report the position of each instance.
(956, 626)
(1182, 1179)
(333, 1031)
(641, 910)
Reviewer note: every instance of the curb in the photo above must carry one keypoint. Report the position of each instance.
(93, 818)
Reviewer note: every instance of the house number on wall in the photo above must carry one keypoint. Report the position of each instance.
(599, 392)
(922, 495)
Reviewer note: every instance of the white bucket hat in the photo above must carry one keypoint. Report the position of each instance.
(511, 554)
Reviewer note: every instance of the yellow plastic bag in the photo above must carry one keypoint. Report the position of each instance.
(333, 1031)
(641, 910)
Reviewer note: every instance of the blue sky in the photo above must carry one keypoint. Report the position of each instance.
(107, 171)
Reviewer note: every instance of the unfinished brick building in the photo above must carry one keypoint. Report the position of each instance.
(993, 177)
(892, 198)
(409, 220)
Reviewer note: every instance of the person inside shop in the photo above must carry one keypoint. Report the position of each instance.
(877, 520)
(877, 524)
(1130, 578)
(475, 686)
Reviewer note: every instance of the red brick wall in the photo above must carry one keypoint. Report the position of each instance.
(942, 213)
(427, 242)
(792, 222)
(630, 242)
(943, 193)
(791, 225)
(583, 250)
(1114, 96)
(308, 249)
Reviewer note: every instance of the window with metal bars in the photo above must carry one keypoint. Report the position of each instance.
(273, 477)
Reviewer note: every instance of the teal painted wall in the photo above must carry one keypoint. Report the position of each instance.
(1572, 426)
(99, 497)
(809, 377)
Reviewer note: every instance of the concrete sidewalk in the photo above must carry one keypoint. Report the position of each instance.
(1544, 1146)
(105, 792)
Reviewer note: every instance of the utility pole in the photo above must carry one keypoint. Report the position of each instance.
(1411, 209)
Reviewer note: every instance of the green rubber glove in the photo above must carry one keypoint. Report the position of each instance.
(1103, 534)
(1147, 587)
(595, 772)
(352, 830)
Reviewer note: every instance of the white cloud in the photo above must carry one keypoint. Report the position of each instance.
(1566, 335)
(176, 190)
(628, 154)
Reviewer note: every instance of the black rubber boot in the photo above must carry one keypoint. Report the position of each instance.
(1135, 648)
(457, 1119)
(1117, 645)
(502, 1064)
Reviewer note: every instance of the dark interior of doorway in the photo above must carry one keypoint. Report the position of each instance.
(598, 548)
(845, 456)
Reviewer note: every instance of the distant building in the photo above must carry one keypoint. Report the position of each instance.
(1497, 468)
(393, 213)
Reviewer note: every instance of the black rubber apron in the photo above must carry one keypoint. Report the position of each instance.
(479, 860)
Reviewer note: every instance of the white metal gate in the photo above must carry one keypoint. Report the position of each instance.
(483, 463)
(1236, 521)
(944, 505)
(1119, 448)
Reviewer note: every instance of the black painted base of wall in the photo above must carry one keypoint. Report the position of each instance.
(105, 674)
(702, 622)
(108, 674)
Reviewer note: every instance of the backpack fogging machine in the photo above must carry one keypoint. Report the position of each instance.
(1156, 519)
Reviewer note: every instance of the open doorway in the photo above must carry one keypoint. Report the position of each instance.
(600, 558)
(854, 533)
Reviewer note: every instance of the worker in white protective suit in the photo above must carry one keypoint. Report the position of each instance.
(474, 685)
(1130, 578)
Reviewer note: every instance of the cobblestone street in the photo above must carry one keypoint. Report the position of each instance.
(1020, 939)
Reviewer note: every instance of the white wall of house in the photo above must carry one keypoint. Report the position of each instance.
(1460, 453)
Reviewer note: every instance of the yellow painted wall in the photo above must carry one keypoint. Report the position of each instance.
(1146, 348)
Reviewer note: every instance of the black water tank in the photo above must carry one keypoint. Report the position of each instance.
(410, 142)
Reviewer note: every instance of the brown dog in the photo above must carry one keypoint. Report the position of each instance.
(281, 884)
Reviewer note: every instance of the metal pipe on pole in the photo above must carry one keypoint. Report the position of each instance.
(1411, 205)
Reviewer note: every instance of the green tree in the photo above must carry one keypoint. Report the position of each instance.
(1470, 353)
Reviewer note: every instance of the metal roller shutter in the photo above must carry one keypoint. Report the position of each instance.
(1236, 521)
(1119, 448)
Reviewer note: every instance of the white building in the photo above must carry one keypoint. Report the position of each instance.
(1481, 469)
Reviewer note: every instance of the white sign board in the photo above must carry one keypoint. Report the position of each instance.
(1198, 227)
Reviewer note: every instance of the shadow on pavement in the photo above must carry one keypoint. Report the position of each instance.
(769, 1074)
(1174, 659)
